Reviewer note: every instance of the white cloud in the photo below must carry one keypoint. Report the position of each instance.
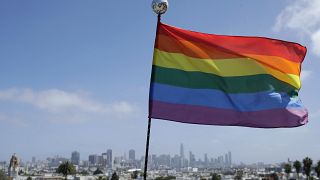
(302, 16)
(305, 74)
(59, 101)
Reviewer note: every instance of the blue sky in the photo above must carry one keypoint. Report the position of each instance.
(74, 75)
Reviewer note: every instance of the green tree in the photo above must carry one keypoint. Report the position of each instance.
(165, 178)
(317, 169)
(170, 177)
(134, 175)
(287, 169)
(297, 166)
(66, 169)
(98, 171)
(215, 176)
(101, 178)
(238, 175)
(307, 163)
(3, 175)
(29, 178)
(84, 173)
(20, 172)
(114, 176)
(274, 176)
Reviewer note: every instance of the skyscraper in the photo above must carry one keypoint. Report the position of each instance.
(109, 158)
(220, 161)
(226, 160)
(104, 159)
(229, 158)
(93, 159)
(181, 150)
(75, 158)
(132, 155)
(33, 160)
(181, 155)
(206, 160)
(192, 159)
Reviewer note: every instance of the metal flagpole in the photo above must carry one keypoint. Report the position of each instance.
(147, 151)
(159, 7)
(149, 127)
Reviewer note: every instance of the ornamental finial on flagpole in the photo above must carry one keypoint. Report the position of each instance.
(160, 6)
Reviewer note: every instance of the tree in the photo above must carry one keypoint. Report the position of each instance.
(102, 178)
(3, 175)
(134, 175)
(215, 176)
(297, 166)
(98, 171)
(29, 178)
(287, 169)
(238, 175)
(165, 178)
(274, 176)
(170, 177)
(66, 169)
(114, 176)
(20, 172)
(84, 173)
(307, 163)
(317, 169)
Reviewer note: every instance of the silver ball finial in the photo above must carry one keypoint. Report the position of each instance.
(160, 6)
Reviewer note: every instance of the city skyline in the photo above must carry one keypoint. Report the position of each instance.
(74, 75)
(75, 156)
(159, 166)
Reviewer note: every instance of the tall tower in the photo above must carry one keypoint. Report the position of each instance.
(33, 160)
(75, 158)
(226, 160)
(206, 160)
(192, 159)
(109, 158)
(104, 159)
(229, 158)
(93, 159)
(132, 155)
(181, 155)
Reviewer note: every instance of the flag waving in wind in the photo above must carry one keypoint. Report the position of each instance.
(226, 80)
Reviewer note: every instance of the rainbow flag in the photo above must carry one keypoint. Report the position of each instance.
(226, 80)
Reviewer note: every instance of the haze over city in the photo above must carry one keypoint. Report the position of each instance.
(74, 75)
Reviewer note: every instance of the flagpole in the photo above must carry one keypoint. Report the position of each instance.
(149, 127)
(159, 7)
(147, 151)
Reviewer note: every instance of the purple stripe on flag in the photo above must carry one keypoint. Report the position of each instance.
(273, 118)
